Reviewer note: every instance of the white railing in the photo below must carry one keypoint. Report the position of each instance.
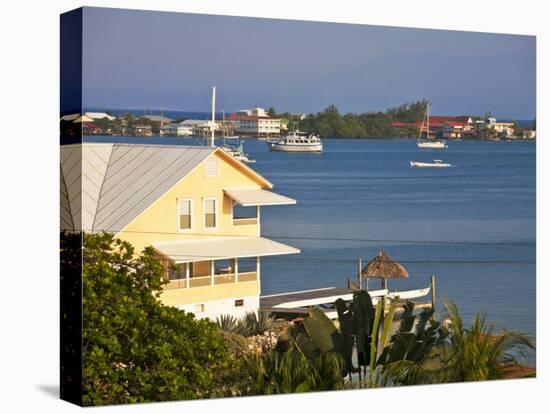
(202, 281)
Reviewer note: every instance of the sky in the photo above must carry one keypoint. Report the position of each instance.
(144, 59)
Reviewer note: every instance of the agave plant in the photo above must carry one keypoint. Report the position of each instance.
(256, 324)
(227, 323)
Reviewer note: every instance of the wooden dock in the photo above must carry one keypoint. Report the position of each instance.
(297, 304)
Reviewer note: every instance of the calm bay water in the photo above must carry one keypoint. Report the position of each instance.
(472, 225)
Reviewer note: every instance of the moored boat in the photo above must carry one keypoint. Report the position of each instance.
(297, 142)
(429, 143)
(434, 164)
(432, 144)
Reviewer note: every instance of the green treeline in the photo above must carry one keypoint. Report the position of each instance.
(330, 123)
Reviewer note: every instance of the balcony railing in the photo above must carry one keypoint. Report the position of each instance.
(203, 281)
(245, 221)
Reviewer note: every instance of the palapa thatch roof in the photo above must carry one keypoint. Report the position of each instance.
(383, 266)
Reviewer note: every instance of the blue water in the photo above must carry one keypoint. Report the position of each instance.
(482, 210)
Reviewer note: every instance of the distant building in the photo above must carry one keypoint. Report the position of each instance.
(143, 131)
(89, 128)
(99, 115)
(504, 129)
(529, 134)
(185, 129)
(157, 118)
(255, 122)
(447, 127)
(491, 128)
(196, 127)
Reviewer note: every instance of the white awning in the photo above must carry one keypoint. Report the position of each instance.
(222, 247)
(257, 197)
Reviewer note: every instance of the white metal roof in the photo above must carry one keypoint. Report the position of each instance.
(257, 197)
(104, 187)
(222, 247)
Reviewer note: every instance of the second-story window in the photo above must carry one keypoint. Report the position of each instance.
(185, 213)
(210, 208)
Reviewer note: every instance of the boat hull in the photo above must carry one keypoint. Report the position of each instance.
(432, 145)
(429, 164)
(274, 146)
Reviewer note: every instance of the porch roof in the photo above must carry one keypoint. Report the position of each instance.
(257, 197)
(221, 247)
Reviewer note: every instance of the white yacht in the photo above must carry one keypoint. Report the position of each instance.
(297, 142)
(433, 144)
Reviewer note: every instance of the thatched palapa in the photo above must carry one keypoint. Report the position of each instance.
(384, 267)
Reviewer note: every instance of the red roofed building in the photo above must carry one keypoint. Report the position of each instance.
(89, 128)
(447, 127)
(255, 122)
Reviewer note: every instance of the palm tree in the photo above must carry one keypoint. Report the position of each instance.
(468, 354)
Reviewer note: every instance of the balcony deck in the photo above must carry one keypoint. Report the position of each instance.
(203, 281)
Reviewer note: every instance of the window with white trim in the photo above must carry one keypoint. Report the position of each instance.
(185, 214)
(210, 210)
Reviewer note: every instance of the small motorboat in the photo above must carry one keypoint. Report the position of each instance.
(434, 164)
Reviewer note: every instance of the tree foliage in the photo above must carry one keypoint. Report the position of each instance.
(135, 348)
(331, 124)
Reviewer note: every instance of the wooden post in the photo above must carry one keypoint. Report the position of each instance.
(236, 269)
(187, 274)
(359, 275)
(433, 291)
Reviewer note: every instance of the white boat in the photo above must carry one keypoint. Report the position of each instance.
(236, 151)
(429, 143)
(409, 294)
(435, 164)
(297, 142)
(432, 144)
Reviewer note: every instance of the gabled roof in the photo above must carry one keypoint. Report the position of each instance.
(104, 187)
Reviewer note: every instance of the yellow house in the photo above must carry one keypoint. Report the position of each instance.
(197, 206)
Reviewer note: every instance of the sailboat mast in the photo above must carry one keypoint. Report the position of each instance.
(428, 121)
(213, 115)
(223, 126)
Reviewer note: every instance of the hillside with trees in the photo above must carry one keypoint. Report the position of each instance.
(330, 123)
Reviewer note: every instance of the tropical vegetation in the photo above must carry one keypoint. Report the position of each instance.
(136, 349)
(375, 124)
